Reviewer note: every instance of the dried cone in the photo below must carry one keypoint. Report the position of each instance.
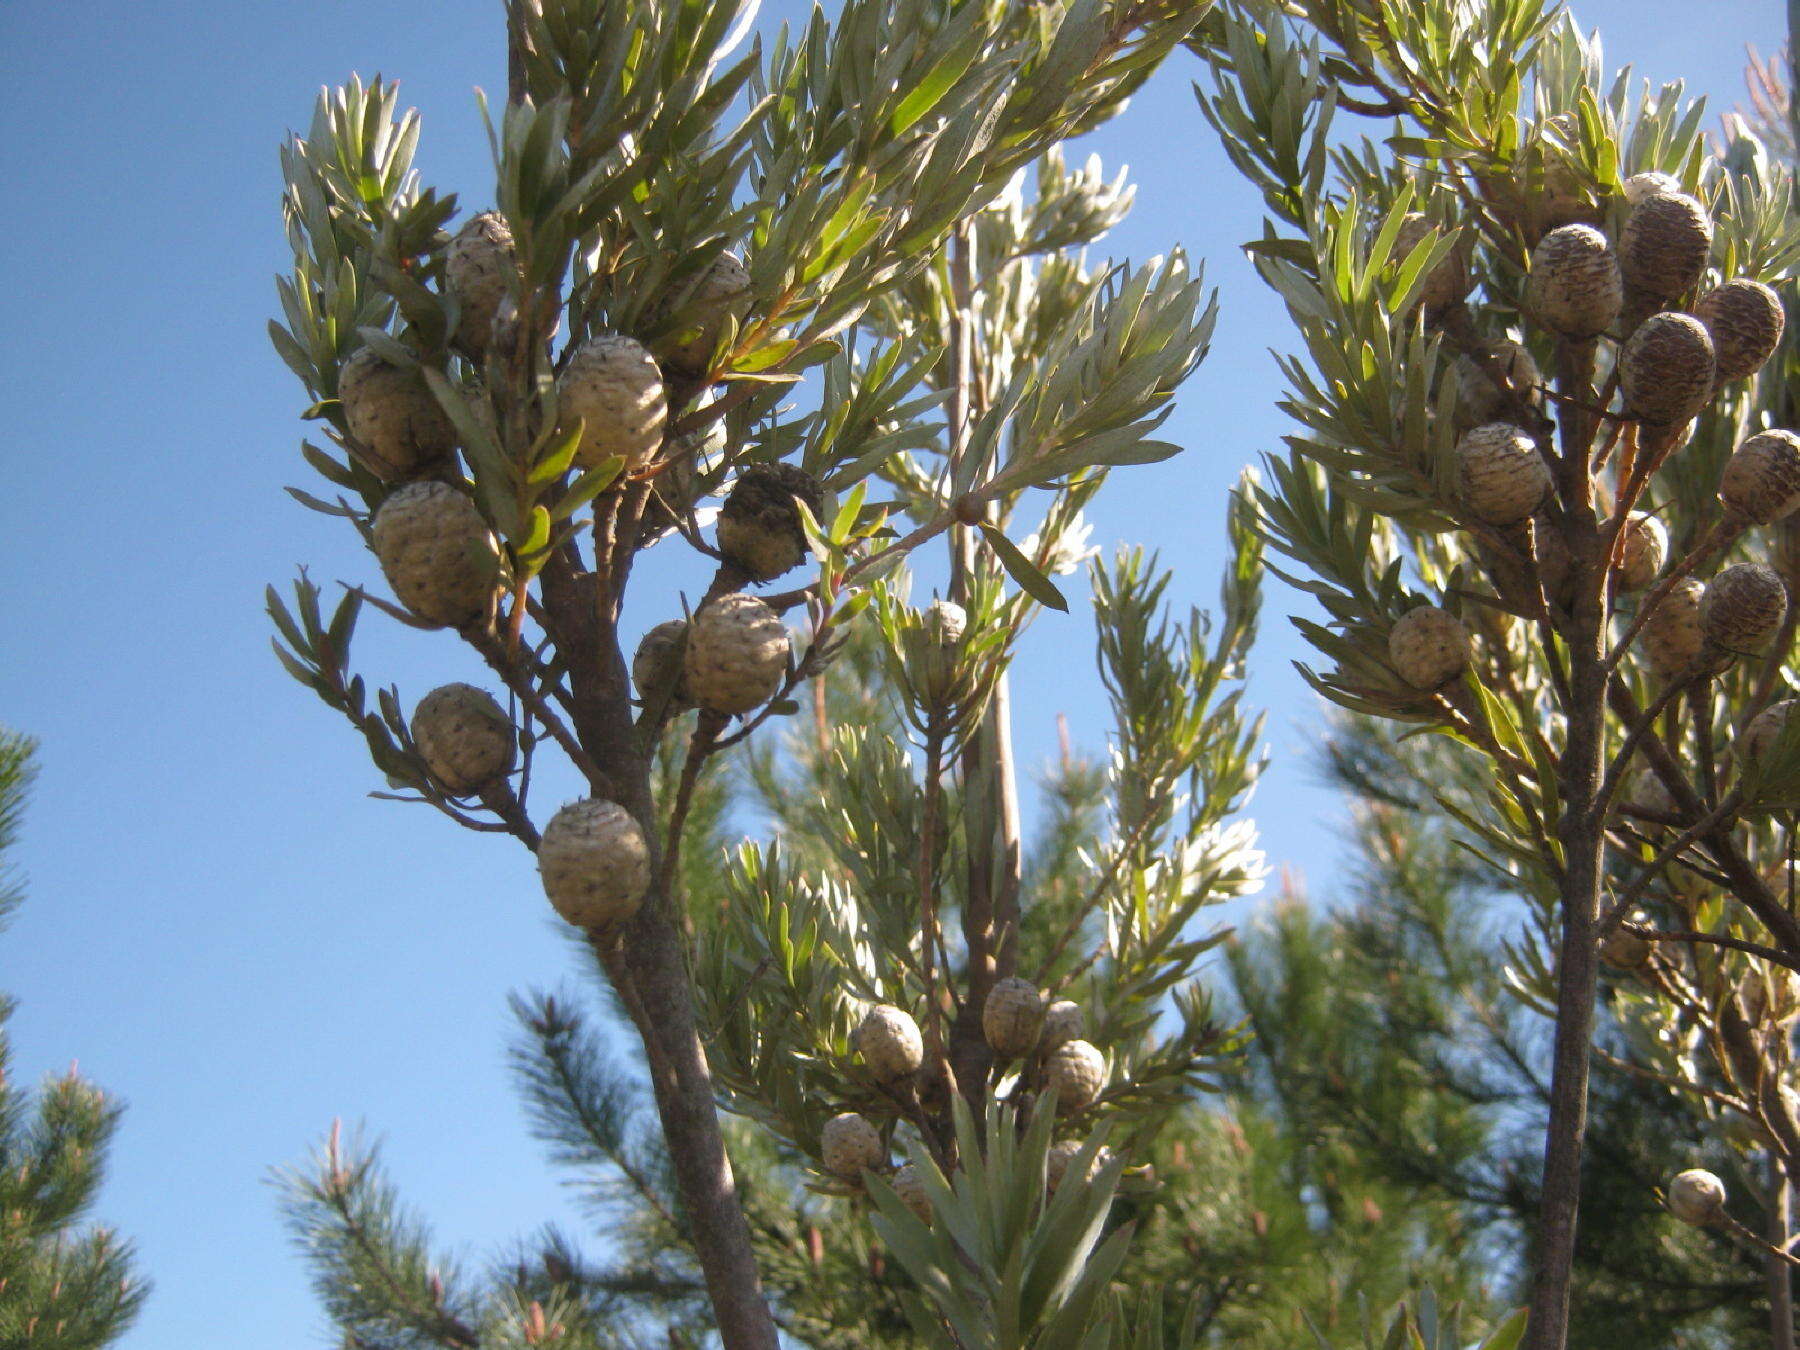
(1745, 319)
(615, 388)
(1666, 369)
(1064, 1021)
(759, 526)
(1641, 553)
(1478, 400)
(465, 737)
(595, 863)
(1649, 795)
(1697, 1197)
(850, 1146)
(1574, 287)
(1764, 730)
(1446, 283)
(1742, 608)
(889, 1042)
(1500, 475)
(396, 422)
(1761, 482)
(1061, 1156)
(1013, 1017)
(1672, 636)
(1665, 244)
(1429, 647)
(1074, 1074)
(909, 1185)
(737, 654)
(436, 553)
(1651, 183)
(479, 269)
(722, 288)
(1626, 951)
(659, 667)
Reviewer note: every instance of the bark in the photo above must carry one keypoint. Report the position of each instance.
(1780, 1273)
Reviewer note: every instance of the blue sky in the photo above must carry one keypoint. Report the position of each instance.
(221, 927)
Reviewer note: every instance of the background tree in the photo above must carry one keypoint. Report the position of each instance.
(64, 1284)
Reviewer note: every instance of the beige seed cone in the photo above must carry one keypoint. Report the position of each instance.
(1697, 1197)
(1013, 1017)
(1666, 369)
(737, 654)
(1064, 1021)
(436, 553)
(595, 863)
(1672, 636)
(1074, 1074)
(1061, 1156)
(396, 422)
(723, 288)
(1574, 288)
(909, 1185)
(1429, 647)
(1650, 183)
(1500, 475)
(850, 1146)
(1446, 283)
(1642, 553)
(614, 386)
(479, 268)
(1649, 794)
(1665, 244)
(759, 526)
(1764, 730)
(1761, 482)
(659, 667)
(1626, 951)
(889, 1042)
(1745, 319)
(465, 737)
(1477, 399)
(1742, 608)
(931, 648)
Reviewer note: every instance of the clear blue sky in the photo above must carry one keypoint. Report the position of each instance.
(220, 926)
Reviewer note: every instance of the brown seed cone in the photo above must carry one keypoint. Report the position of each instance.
(479, 268)
(465, 737)
(1742, 608)
(759, 528)
(910, 1187)
(1745, 319)
(889, 1042)
(1574, 288)
(614, 387)
(849, 1146)
(1666, 369)
(1061, 1156)
(1478, 400)
(1761, 482)
(737, 654)
(1672, 636)
(1650, 183)
(1665, 244)
(437, 553)
(1064, 1021)
(1647, 793)
(1764, 730)
(1500, 475)
(723, 288)
(1073, 1075)
(1429, 647)
(659, 666)
(400, 430)
(1446, 283)
(1642, 553)
(1013, 1017)
(1697, 1197)
(1626, 951)
(594, 862)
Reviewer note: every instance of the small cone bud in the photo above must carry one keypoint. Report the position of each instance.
(436, 553)
(1061, 1157)
(850, 1146)
(889, 1042)
(1641, 553)
(931, 649)
(614, 387)
(1745, 319)
(1013, 1017)
(759, 527)
(1697, 1197)
(1665, 244)
(479, 269)
(595, 863)
(1666, 369)
(1672, 636)
(390, 411)
(1761, 482)
(1064, 1021)
(721, 290)
(1651, 183)
(1429, 647)
(659, 667)
(1574, 288)
(910, 1187)
(737, 654)
(1742, 608)
(1074, 1074)
(1478, 400)
(1446, 283)
(1764, 731)
(465, 737)
(1500, 475)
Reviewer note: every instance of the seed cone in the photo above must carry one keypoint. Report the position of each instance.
(737, 654)
(1697, 1197)
(1745, 319)
(436, 553)
(722, 288)
(931, 649)
(1446, 283)
(1074, 1074)
(889, 1042)
(1500, 475)
(1064, 1021)
(1650, 183)
(850, 1146)
(613, 385)
(390, 411)
(1061, 1156)
(1648, 794)
(464, 736)
(1761, 482)
(1013, 1017)
(1574, 287)
(1429, 647)
(759, 526)
(1764, 730)
(1742, 608)
(1672, 636)
(1477, 399)
(1626, 951)
(1641, 554)
(1666, 368)
(478, 270)
(659, 667)
(594, 862)
(1665, 244)
(910, 1187)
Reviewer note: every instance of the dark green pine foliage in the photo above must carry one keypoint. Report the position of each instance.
(64, 1284)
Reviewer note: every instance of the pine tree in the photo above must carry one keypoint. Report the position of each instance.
(64, 1284)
